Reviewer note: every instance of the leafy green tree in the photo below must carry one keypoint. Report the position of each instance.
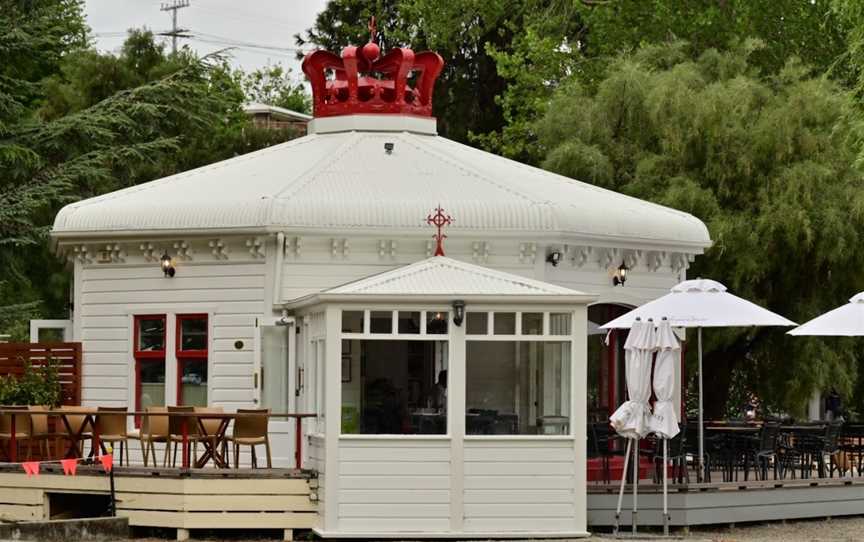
(274, 85)
(767, 161)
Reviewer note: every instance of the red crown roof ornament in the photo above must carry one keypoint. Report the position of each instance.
(365, 82)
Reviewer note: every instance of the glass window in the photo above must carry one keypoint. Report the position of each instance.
(436, 323)
(532, 323)
(151, 384)
(559, 323)
(352, 321)
(409, 322)
(381, 322)
(274, 368)
(517, 388)
(394, 387)
(504, 323)
(151, 334)
(193, 333)
(478, 323)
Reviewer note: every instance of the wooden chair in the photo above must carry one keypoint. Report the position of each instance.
(153, 429)
(41, 432)
(251, 431)
(76, 424)
(23, 430)
(175, 432)
(111, 425)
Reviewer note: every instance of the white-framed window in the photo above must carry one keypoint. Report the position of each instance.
(518, 372)
(394, 371)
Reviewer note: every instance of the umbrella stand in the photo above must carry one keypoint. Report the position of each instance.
(699, 474)
(621, 489)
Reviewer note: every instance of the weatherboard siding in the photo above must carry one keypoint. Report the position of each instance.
(110, 295)
(519, 485)
(394, 485)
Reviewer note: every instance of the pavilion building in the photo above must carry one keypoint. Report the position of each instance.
(452, 392)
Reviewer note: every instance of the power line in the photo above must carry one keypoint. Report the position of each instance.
(175, 31)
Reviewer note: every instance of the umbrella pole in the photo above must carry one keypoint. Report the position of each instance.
(701, 424)
(621, 490)
(635, 482)
(665, 488)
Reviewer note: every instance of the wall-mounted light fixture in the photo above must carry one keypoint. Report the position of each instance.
(388, 147)
(458, 312)
(620, 276)
(167, 265)
(554, 258)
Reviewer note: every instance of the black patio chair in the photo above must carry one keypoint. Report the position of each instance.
(677, 455)
(764, 450)
(852, 445)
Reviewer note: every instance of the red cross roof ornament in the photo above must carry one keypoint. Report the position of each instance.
(363, 81)
(439, 220)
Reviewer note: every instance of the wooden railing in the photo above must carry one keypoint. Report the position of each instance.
(67, 357)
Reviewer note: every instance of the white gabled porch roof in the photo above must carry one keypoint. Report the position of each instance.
(440, 279)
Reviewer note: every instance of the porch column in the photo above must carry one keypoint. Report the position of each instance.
(456, 418)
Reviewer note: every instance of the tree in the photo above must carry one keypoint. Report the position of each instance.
(75, 123)
(766, 160)
(275, 85)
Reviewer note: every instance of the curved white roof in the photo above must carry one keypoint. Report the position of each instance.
(341, 179)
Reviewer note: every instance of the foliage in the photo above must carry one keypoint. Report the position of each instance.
(36, 386)
(76, 123)
(766, 161)
(275, 85)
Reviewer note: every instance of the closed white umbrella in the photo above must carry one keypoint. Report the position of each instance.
(631, 419)
(701, 303)
(844, 321)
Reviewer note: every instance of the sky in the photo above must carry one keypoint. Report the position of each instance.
(262, 30)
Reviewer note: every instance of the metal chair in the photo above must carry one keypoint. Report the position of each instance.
(677, 455)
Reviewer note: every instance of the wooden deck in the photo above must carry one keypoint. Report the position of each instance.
(729, 502)
(283, 499)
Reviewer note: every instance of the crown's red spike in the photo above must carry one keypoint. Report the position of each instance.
(364, 82)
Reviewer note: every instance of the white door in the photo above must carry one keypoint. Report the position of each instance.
(274, 381)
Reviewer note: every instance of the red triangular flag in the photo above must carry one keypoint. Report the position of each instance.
(69, 466)
(31, 468)
(107, 461)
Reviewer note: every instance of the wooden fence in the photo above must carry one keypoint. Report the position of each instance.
(67, 356)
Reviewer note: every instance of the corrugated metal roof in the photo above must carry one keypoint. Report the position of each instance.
(345, 180)
(444, 276)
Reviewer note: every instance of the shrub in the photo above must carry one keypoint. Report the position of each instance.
(37, 386)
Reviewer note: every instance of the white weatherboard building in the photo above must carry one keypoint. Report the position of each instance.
(452, 392)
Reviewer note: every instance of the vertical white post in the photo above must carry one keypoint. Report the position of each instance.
(332, 411)
(456, 374)
(635, 482)
(665, 488)
(701, 424)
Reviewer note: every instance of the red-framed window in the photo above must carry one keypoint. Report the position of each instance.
(149, 354)
(192, 351)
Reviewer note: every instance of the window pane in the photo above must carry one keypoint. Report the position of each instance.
(352, 321)
(504, 323)
(381, 322)
(151, 334)
(394, 387)
(436, 322)
(193, 333)
(152, 374)
(532, 323)
(478, 323)
(559, 323)
(517, 388)
(409, 322)
(193, 383)
(274, 368)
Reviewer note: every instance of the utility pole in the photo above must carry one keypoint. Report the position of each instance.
(175, 31)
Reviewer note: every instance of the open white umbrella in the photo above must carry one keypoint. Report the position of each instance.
(696, 304)
(844, 321)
